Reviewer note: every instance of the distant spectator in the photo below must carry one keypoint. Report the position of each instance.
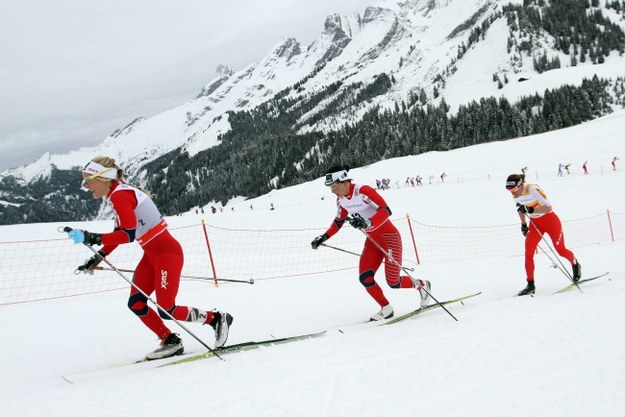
(560, 166)
(419, 180)
(585, 167)
(566, 167)
(431, 178)
(443, 175)
(614, 163)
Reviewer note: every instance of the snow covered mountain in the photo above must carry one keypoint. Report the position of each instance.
(398, 55)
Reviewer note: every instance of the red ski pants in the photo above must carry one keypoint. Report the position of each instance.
(550, 225)
(371, 259)
(158, 272)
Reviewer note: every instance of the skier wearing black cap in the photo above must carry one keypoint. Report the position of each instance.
(531, 202)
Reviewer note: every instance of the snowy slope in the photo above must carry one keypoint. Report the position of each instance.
(545, 356)
(474, 78)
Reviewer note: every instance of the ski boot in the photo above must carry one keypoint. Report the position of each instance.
(385, 313)
(221, 324)
(530, 289)
(424, 287)
(170, 346)
(577, 271)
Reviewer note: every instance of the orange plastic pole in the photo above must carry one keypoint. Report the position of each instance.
(610, 223)
(210, 253)
(414, 243)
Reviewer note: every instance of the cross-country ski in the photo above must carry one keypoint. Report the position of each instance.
(578, 283)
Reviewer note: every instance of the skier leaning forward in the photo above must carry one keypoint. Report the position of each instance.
(369, 212)
(532, 202)
(138, 218)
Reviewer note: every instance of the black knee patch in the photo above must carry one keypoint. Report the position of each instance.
(366, 278)
(165, 316)
(138, 304)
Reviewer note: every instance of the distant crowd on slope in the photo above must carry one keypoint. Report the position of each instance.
(567, 167)
(417, 181)
(413, 182)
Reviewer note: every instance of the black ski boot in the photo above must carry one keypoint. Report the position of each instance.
(170, 346)
(577, 271)
(221, 323)
(530, 289)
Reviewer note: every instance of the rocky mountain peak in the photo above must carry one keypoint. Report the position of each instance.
(289, 48)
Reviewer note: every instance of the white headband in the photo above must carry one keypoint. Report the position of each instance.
(337, 176)
(96, 170)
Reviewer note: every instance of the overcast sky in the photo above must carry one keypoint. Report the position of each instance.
(73, 71)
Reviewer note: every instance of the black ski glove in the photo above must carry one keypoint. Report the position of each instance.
(524, 229)
(360, 223)
(318, 241)
(93, 238)
(524, 209)
(91, 263)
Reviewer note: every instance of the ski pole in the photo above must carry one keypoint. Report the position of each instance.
(388, 256)
(555, 265)
(405, 268)
(160, 309)
(561, 267)
(249, 281)
(339, 249)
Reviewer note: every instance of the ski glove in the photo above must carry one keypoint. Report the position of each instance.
(524, 229)
(82, 236)
(318, 241)
(91, 263)
(360, 223)
(524, 209)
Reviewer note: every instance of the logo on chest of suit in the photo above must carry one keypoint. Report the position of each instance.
(163, 279)
(352, 206)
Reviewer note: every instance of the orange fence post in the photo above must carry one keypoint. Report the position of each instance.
(210, 253)
(414, 243)
(610, 223)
